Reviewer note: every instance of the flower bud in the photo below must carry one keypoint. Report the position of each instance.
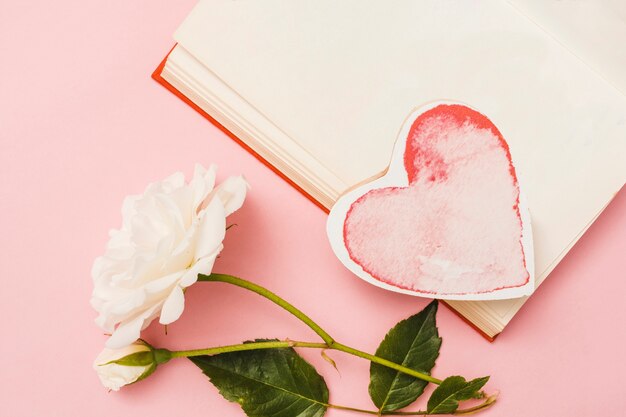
(119, 367)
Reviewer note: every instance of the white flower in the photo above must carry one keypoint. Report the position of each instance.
(169, 234)
(113, 375)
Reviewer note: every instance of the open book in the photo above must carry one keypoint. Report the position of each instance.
(320, 89)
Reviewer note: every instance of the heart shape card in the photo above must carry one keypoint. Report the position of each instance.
(447, 219)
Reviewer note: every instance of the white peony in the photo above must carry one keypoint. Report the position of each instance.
(114, 376)
(169, 234)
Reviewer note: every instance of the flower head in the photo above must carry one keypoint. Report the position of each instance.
(169, 234)
(119, 367)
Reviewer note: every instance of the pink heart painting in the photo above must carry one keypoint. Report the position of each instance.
(447, 219)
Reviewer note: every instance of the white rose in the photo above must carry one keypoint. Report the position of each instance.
(113, 375)
(169, 234)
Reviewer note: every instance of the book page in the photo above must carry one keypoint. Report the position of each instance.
(339, 79)
(593, 30)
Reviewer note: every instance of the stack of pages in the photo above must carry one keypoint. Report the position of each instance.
(320, 89)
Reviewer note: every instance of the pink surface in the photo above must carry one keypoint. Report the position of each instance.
(82, 125)
(460, 212)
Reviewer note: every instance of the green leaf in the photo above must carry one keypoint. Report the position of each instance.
(445, 399)
(413, 343)
(267, 382)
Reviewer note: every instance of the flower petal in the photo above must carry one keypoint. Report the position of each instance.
(203, 266)
(126, 333)
(108, 355)
(202, 183)
(115, 376)
(211, 230)
(173, 306)
(163, 283)
(232, 192)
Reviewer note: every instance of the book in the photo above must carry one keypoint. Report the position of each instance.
(318, 91)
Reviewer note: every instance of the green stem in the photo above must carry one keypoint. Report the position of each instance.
(330, 342)
(270, 296)
(489, 401)
(291, 343)
(358, 410)
(246, 346)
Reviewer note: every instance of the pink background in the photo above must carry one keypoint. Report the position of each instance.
(82, 125)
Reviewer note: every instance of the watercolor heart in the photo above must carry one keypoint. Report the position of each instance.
(447, 220)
